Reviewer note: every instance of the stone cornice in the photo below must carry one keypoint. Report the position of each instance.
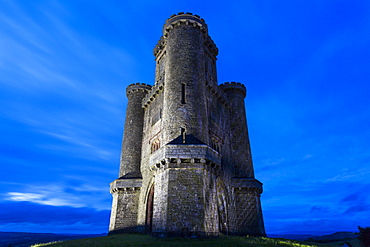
(185, 156)
(247, 185)
(128, 185)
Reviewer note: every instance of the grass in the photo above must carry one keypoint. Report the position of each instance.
(146, 240)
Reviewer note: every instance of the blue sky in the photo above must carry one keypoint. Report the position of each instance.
(64, 67)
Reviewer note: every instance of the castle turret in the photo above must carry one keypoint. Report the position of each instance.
(133, 131)
(126, 189)
(241, 152)
(247, 190)
(182, 56)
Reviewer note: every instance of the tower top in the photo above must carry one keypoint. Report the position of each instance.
(235, 86)
(184, 17)
(137, 87)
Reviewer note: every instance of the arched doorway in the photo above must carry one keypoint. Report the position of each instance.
(149, 210)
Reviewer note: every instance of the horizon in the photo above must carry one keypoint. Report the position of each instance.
(65, 66)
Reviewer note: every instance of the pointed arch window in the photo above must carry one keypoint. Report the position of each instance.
(155, 145)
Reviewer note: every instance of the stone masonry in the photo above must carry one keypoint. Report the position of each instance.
(186, 167)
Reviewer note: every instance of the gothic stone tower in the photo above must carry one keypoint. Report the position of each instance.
(186, 167)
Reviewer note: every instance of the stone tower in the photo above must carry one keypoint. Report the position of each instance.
(186, 167)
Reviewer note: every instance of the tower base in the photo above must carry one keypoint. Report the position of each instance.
(125, 204)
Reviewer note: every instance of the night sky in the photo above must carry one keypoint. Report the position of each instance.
(65, 65)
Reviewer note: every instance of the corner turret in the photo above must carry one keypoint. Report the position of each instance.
(236, 92)
(133, 132)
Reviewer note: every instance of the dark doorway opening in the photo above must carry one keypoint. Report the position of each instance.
(149, 211)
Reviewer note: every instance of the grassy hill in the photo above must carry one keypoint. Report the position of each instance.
(146, 240)
(25, 239)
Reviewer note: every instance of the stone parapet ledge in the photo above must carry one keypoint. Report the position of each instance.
(247, 184)
(185, 151)
(126, 184)
(185, 156)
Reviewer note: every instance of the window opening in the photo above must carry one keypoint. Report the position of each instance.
(183, 135)
(155, 145)
(183, 93)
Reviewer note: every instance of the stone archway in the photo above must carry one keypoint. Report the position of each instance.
(149, 210)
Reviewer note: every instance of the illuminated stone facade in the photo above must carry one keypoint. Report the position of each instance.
(186, 166)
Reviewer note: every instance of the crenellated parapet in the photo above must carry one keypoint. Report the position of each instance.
(152, 94)
(210, 44)
(159, 46)
(235, 87)
(187, 18)
(218, 93)
(185, 156)
(137, 87)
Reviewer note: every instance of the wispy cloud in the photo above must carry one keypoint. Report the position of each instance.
(81, 146)
(43, 199)
(58, 195)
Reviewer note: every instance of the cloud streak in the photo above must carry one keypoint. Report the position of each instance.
(77, 196)
(43, 199)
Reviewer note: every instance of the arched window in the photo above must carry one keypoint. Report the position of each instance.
(155, 145)
(215, 145)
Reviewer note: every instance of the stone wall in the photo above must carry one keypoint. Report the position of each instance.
(124, 206)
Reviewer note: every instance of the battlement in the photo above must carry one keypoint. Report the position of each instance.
(134, 87)
(159, 46)
(227, 86)
(218, 93)
(152, 94)
(187, 19)
(211, 46)
(177, 156)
